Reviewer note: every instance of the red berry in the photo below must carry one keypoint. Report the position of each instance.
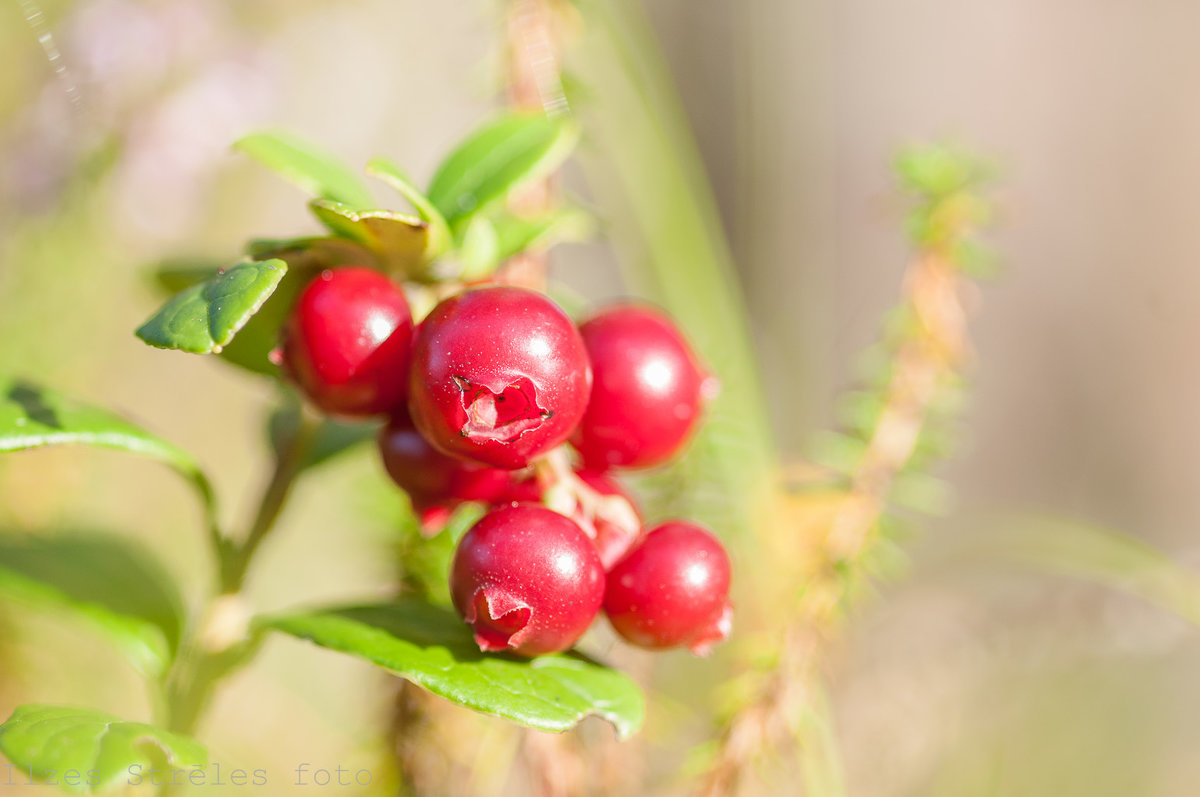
(671, 589)
(432, 479)
(527, 580)
(611, 517)
(648, 390)
(616, 527)
(499, 376)
(347, 342)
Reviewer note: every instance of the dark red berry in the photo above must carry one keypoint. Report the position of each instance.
(347, 342)
(527, 580)
(432, 479)
(648, 390)
(499, 376)
(671, 589)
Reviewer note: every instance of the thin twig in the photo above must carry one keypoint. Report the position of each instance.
(921, 367)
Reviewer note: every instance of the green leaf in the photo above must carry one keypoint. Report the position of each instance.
(332, 437)
(312, 252)
(426, 560)
(399, 241)
(317, 172)
(388, 172)
(937, 170)
(480, 249)
(503, 154)
(305, 258)
(205, 317)
(107, 581)
(32, 416)
(515, 234)
(86, 751)
(433, 648)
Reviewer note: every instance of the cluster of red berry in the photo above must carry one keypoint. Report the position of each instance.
(481, 397)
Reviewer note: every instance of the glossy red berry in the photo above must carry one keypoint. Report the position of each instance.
(527, 580)
(648, 390)
(432, 479)
(617, 525)
(609, 516)
(671, 589)
(347, 342)
(500, 375)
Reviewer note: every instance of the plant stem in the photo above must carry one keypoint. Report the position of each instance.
(220, 645)
(288, 463)
(926, 361)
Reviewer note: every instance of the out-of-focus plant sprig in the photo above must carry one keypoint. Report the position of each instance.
(926, 346)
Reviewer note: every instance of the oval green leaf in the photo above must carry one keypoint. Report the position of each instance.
(85, 751)
(433, 648)
(317, 172)
(515, 235)
(503, 154)
(388, 172)
(305, 258)
(400, 242)
(108, 582)
(205, 317)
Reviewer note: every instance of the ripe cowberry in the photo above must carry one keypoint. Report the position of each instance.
(605, 510)
(527, 580)
(671, 589)
(648, 390)
(616, 519)
(499, 376)
(347, 342)
(433, 480)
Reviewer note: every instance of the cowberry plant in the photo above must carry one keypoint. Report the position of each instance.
(568, 469)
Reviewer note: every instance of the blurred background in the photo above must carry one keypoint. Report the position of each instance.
(965, 675)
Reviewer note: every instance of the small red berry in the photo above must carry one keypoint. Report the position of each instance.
(347, 342)
(527, 580)
(617, 521)
(671, 589)
(609, 516)
(432, 479)
(499, 376)
(648, 390)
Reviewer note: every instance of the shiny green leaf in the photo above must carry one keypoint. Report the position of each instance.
(515, 234)
(388, 172)
(205, 317)
(400, 242)
(503, 154)
(84, 751)
(433, 648)
(316, 172)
